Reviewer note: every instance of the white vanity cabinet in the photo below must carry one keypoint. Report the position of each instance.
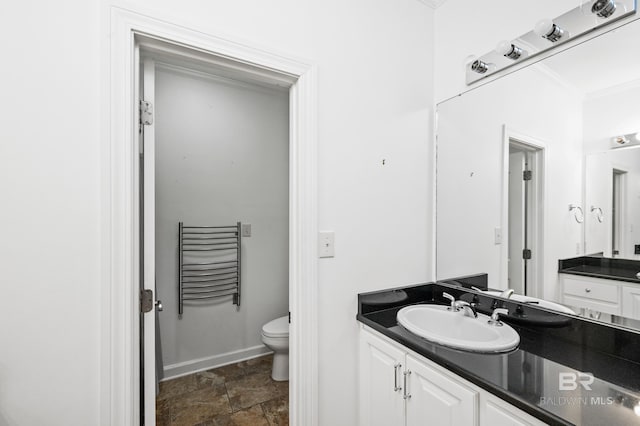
(401, 388)
(496, 412)
(601, 295)
(436, 398)
(381, 382)
(631, 302)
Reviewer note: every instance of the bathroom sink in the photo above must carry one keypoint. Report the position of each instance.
(438, 324)
(534, 301)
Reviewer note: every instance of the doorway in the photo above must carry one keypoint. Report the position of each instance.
(216, 152)
(121, 296)
(524, 199)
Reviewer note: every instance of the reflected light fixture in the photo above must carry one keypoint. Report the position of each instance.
(509, 50)
(636, 409)
(603, 8)
(621, 140)
(547, 29)
(637, 136)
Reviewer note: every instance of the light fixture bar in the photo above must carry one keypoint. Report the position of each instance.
(548, 34)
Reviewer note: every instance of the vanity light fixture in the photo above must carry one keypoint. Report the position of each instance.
(603, 8)
(509, 50)
(547, 29)
(587, 16)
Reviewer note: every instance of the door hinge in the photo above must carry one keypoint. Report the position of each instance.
(146, 113)
(289, 317)
(526, 254)
(146, 301)
(527, 175)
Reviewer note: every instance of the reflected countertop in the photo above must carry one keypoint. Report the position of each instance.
(601, 267)
(528, 377)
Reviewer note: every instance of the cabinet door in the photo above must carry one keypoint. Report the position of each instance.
(381, 367)
(631, 302)
(437, 399)
(496, 412)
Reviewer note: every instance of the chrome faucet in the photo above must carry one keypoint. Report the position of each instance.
(461, 305)
(507, 293)
(467, 308)
(495, 316)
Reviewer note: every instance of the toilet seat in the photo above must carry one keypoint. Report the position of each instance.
(279, 327)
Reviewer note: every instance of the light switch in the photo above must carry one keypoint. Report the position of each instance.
(246, 229)
(326, 242)
(497, 236)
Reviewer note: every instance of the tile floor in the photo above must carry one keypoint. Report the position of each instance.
(241, 394)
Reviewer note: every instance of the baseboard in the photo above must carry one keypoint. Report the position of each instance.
(193, 366)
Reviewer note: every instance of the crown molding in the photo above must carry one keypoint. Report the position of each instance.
(434, 4)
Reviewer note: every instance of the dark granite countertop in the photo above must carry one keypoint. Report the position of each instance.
(528, 377)
(601, 267)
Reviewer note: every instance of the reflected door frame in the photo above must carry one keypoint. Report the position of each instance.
(618, 239)
(536, 209)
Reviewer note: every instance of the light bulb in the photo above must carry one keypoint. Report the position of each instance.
(547, 29)
(469, 60)
(621, 140)
(504, 48)
(543, 27)
(508, 50)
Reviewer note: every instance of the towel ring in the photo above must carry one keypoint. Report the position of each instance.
(599, 213)
(578, 214)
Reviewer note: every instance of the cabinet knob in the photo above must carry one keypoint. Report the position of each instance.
(588, 290)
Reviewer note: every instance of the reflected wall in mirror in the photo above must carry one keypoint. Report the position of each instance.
(515, 154)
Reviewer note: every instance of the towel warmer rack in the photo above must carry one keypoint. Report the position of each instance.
(209, 260)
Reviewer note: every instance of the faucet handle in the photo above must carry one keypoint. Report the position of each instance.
(495, 316)
(449, 297)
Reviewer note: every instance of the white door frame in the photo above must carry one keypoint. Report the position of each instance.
(622, 172)
(120, 369)
(537, 214)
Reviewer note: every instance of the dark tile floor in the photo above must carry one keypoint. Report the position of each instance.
(242, 394)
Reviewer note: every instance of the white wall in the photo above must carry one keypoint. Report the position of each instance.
(50, 213)
(222, 156)
(470, 172)
(375, 60)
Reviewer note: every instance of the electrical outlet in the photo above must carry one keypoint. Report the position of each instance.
(326, 242)
(246, 229)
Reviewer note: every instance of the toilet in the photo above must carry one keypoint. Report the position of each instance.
(275, 336)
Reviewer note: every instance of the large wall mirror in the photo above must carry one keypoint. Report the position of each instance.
(528, 170)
